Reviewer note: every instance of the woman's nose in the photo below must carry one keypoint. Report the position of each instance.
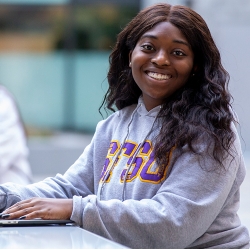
(161, 59)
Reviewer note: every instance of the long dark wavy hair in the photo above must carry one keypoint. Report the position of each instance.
(201, 107)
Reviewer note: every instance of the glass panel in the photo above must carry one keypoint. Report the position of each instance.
(50, 56)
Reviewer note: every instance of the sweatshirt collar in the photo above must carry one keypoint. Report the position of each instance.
(141, 109)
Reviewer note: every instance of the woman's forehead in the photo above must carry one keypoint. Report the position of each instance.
(165, 29)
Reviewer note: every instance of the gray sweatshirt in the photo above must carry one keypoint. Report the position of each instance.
(189, 205)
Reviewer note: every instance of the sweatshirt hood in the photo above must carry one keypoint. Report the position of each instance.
(141, 109)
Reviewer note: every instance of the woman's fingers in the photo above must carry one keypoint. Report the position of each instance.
(45, 208)
(14, 208)
(17, 210)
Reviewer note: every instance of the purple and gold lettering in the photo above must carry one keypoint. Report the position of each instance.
(138, 162)
(129, 148)
(147, 175)
(113, 149)
(142, 167)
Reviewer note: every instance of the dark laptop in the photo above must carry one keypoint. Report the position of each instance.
(34, 222)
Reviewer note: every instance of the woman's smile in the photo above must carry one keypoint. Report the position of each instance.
(158, 76)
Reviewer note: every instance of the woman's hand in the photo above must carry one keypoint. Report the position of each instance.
(45, 208)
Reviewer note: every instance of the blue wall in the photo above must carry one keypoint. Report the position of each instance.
(38, 82)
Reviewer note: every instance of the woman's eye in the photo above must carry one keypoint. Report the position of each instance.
(147, 47)
(179, 53)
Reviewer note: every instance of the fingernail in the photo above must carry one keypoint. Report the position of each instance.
(1, 214)
(5, 216)
(22, 217)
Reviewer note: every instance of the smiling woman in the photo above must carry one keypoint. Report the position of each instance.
(161, 62)
(165, 169)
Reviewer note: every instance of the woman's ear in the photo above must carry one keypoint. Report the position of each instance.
(129, 57)
(195, 69)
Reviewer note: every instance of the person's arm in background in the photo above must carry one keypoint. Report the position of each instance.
(14, 165)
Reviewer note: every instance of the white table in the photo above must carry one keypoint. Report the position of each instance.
(66, 237)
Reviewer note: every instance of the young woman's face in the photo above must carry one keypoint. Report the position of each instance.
(161, 63)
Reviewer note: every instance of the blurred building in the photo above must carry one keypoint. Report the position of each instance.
(54, 55)
(54, 58)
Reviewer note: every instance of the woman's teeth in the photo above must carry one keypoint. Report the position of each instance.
(158, 76)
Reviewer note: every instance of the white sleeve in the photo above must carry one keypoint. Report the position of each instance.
(13, 148)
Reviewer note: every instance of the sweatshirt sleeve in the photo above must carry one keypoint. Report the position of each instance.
(182, 210)
(60, 186)
(79, 180)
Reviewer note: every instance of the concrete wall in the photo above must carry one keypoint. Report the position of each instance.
(229, 22)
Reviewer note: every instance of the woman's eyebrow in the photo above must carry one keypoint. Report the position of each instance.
(175, 40)
(181, 42)
(148, 36)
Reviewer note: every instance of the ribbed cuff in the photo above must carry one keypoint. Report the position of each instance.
(77, 212)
